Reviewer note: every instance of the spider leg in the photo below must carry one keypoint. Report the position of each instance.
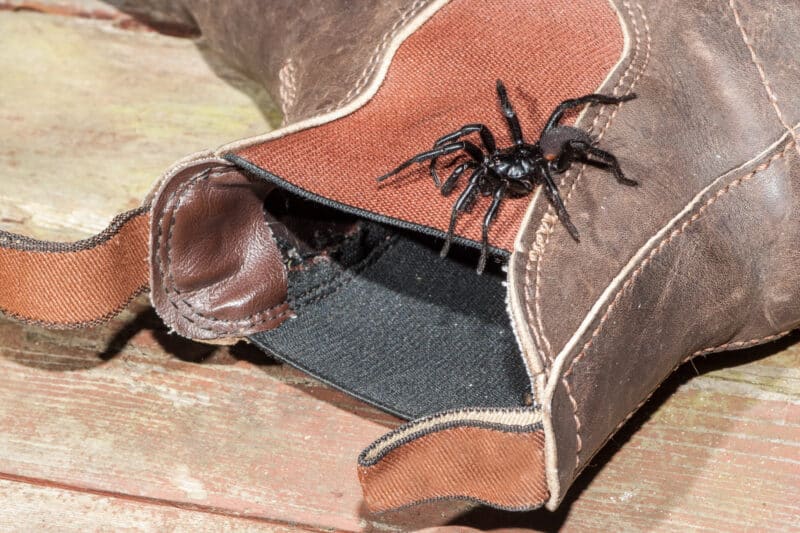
(472, 150)
(553, 195)
(491, 214)
(511, 115)
(607, 159)
(450, 183)
(566, 105)
(464, 201)
(487, 139)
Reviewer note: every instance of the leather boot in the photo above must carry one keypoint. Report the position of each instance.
(511, 384)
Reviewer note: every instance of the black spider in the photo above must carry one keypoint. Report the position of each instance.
(514, 171)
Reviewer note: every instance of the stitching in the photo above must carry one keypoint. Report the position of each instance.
(542, 238)
(253, 320)
(327, 289)
(175, 199)
(250, 321)
(773, 99)
(466, 412)
(288, 86)
(548, 221)
(741, 344)
(647, 260)
(99, 321)
(436, 428)
(12, 241)
(366, 74)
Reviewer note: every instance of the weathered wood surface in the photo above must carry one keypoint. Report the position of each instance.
(92, 115)
(127, 426)
(31, 507)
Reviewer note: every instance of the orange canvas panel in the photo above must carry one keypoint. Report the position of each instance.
(443, 76)
(76, 284)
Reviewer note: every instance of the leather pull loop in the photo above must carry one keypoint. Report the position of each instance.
(490, 456)
(74, 285)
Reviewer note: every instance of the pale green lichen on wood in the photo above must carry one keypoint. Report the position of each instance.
(92, 115)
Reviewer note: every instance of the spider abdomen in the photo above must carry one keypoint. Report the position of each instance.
(554, 141)
(515, 171)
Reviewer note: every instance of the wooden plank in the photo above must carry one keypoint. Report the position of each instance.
(30, 507)
(716, 451)
(165, 16)
(92, 115)
(259, 441)
(75, 8)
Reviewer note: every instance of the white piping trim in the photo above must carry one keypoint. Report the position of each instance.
(377, 80)
(532, 358)
(561, 358)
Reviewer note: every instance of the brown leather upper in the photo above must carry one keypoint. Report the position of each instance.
(700, 257)
(312, 57)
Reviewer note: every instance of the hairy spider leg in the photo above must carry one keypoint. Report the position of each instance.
(450, 183)
(566, 105)
(511, 115)
(473, 151)
(491, 214)
(487, 139)
(608, 160)
(463, 203)
(551, 189)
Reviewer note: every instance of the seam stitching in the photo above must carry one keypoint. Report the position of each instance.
(771, 96)
(23, 243)
(98, 321)
(741, 344)
(547, 226)
(328, 289)
(374, 61)
(173, 204)
(648, 259)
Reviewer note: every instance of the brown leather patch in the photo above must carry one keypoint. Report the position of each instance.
(78, 284)
(217, 271)
(443, 76)
(501, 468)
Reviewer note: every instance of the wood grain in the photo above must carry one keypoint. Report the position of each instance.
(128, 426)
(92, 115)
(32, 507)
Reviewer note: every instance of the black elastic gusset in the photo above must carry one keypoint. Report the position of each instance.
(394, 324)
(264, 174)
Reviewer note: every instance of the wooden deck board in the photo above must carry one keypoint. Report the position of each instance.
(126, 425)
(31, 507)
(92, 115)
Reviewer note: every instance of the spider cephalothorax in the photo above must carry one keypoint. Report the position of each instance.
(515, 171)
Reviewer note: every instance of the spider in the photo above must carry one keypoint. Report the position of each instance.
(514, 172)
